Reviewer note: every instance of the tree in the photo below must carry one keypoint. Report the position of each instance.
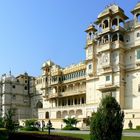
(107, 123)
(1, 122)
(9, 122)
(70, 121)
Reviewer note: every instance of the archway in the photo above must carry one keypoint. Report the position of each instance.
(58, 115)
(39, 104)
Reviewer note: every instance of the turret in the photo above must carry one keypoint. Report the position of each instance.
(136, 13)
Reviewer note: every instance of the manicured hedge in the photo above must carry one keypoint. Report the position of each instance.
(30, 136)
(29, 129)
(70, 128)
(138, 127)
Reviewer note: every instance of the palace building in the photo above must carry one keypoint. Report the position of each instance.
(111, 67)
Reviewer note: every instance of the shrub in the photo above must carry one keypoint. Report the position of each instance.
(138, 127)
(29, 129)
(107, 123)
(70, 128)
(30, 123)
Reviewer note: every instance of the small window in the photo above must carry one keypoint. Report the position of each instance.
(139, 88)
(25, 88)
(14, 96)
(26, 81)
(108, 78)
(89, 66)
(138, 34)
(14, 86)
(138, 54)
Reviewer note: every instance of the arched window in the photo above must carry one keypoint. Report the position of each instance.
(114, 37)
(39, 105)
(121, 38)
(47, 115)
(121, 23)
(114, 23)
(58, 114)
(138, 17)
(105, 23)
(106, 39)
(100, 28)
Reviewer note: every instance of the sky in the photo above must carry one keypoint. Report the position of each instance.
(34, 31)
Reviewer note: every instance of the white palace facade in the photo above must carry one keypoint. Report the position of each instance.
(111, 67)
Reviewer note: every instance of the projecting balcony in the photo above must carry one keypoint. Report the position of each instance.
(117, 44)
(105, 30)
(73, 92)
(55, 72)
(108, 87)
(104, 47)
(54, 95)
(118, 28)
(75, 79)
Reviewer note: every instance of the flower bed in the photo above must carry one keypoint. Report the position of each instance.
(30, 136)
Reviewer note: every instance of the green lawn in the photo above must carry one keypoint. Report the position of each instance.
(87, 137)
(83, 136)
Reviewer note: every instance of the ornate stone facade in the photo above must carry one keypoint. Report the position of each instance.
(112, 67)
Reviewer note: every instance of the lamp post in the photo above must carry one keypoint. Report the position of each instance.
(43, 125)
(49, 125)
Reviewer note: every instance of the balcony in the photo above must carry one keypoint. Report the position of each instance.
(75, 79)
(104, 47)
(108, 87)
(73, 92)
(118, 28)
(55, 72)
(105, 30)
(53, 95)
(107, 69)
(117, 44)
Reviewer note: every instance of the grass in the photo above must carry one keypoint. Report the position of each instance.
(83, 136)
(87, 137)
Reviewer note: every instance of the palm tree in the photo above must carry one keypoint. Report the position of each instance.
(70, 121)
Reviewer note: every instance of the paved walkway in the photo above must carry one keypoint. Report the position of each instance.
(135, 134)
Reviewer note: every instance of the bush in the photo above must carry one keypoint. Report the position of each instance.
(70, 128)
(107, 123)
(29, 129)
(30, 123)
(138, 127)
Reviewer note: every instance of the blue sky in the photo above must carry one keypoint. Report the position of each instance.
(33, 31)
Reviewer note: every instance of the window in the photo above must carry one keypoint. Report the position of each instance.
(14, 86)
(138, 54)
(138, 34)
(14, 96)
(89, 66)
(108, 78)
(139, 88)
(25, 88)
